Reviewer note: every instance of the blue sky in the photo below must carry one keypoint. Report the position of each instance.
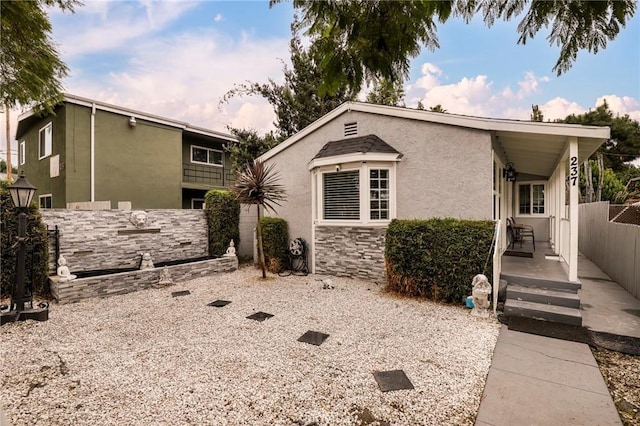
(178, 58)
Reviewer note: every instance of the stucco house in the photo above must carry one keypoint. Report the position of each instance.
(354, 170)
(91, 151)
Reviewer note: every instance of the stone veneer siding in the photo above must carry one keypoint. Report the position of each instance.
(90, 239)
(350, 251)
(127, 282)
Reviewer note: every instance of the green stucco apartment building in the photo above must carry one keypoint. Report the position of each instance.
(90, 151)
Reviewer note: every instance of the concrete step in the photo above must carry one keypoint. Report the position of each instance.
(541, 283)
(541, 311)
(543, 295)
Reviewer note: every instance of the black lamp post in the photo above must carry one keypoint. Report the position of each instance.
(22, 193)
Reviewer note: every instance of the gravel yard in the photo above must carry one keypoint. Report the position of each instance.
(148, 358)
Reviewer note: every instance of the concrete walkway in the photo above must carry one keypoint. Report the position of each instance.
(536, 380)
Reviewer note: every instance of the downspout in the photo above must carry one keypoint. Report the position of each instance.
(93, 152)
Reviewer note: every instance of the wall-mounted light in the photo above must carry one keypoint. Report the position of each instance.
(132, 122)
(509, 173)
(338, 167)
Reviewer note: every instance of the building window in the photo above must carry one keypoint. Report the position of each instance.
(21, 153)
(363, 194)
(531, 199)
(45, 201)
(379, 194)
(45, 141)
(341, 195)
(197, 203)
(202, 155)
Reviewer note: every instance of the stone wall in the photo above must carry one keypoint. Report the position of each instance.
(107, 239)
(127, 282)
(356, 252)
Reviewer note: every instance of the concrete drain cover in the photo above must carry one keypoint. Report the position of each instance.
(313, 338)
(219, 303)
(392, 380)
(259, 316)
(180, 293)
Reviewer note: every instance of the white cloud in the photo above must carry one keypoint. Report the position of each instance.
(107, 26)
(184, 77)
(218, 18)
(478, 96)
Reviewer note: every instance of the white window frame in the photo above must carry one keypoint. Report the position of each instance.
(365, 213)
(197, 199)
(546, 199)
(208, 150)
(21, 153)
(41, 197)
(47, 152)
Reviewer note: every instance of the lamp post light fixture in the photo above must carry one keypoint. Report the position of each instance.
(22, 193)
(509, 172)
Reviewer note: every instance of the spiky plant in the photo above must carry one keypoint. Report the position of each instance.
(257, 183)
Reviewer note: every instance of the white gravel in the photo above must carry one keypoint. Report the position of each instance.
(147, 358)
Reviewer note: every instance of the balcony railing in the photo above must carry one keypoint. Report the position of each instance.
(210, 175)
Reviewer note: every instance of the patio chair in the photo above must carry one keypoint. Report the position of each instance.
(520, 232)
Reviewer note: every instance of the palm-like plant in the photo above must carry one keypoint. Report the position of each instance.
(259, 184)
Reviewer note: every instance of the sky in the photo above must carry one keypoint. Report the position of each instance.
(177, 59)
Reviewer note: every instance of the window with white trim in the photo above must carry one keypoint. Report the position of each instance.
(531, 199)
(362, 194)
(45, 140)
(202, 155)
(21, 153)
(45, 201)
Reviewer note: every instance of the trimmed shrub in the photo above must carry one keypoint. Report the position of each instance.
(437, 258)
(275, 242)
(223, 218)
(37, 250)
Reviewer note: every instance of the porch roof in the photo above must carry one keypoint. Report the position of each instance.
(534, 148)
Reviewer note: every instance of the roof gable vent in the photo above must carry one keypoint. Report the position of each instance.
(351, 129)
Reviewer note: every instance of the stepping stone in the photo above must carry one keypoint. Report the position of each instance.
(219, 303)
(259, 316)
(392, 380)
(180, 293)
(313, 338)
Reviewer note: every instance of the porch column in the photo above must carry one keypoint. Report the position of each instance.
(574, 182)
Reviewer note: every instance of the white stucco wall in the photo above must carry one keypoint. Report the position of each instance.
(446, 171)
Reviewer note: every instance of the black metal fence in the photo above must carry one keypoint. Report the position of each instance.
(211, 175)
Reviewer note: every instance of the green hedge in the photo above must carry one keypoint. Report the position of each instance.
(275, 243)
(437, 258)
(37, 250)
(223, 218)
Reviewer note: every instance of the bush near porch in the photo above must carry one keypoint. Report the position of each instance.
(437, 258)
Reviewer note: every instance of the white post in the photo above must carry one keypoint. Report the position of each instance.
(574, 186)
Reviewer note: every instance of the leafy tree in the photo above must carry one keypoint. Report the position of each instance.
(259, 184)
(536, 113)
(296, 102)
(360, 40)
(420, 106)
(3, 168)
(624, 144)
(250, 146)
(437, 108)
(31, 71)
(611, 189)
(387, 92)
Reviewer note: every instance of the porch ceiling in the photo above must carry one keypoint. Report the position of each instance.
(538, 154)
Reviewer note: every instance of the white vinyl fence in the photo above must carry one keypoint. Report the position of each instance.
(613, 247)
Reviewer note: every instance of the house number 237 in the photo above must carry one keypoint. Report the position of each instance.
(573, 174)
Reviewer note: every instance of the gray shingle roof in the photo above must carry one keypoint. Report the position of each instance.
(363, 144)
